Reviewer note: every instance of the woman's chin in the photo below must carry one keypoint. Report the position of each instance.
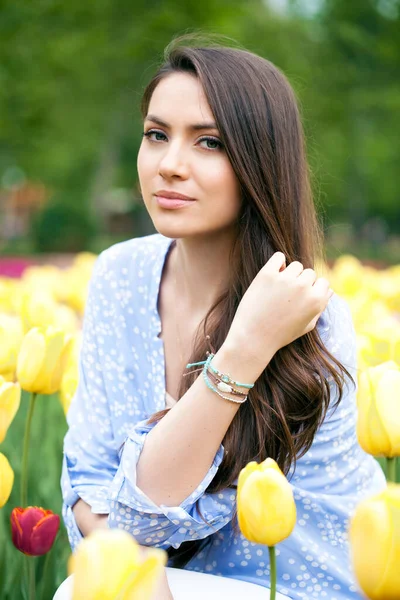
(174, 230)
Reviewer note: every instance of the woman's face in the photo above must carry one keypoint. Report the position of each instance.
(181, 154)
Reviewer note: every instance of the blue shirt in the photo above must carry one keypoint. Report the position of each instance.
(122, 383)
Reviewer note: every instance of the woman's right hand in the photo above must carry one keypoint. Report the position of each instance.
(280, 305)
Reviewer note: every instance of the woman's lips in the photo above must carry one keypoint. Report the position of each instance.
(172, 203)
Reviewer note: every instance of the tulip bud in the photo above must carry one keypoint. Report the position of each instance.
(265, 503)
(33, 529)
(375, 544)
(42, 358)
(378, 422)
(6, 479)
(11, 335)
(107, 564)
(10, 398)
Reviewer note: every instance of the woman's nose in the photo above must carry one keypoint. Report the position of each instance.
(174, 163)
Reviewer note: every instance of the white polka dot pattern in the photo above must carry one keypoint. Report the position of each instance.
(122, 382)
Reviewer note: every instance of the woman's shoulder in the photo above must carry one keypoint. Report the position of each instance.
(150, 247)
(336, 319)
(337, 333)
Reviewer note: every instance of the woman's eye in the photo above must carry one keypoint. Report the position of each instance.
(154, 135)
(211, 143)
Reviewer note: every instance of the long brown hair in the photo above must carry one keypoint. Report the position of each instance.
(258, 120)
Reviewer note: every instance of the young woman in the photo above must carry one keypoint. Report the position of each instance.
(155, 447)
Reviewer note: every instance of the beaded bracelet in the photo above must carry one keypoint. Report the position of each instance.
(224, 377)
(227, 379)
(222, 384)
(214, 389)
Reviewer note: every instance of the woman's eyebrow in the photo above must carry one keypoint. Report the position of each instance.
(194, 127)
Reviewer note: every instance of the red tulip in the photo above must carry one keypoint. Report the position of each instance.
(33, 529)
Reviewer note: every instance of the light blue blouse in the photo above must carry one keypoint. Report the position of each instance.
(122, 383)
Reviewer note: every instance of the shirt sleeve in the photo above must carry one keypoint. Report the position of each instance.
(197, 517)
(90, 453)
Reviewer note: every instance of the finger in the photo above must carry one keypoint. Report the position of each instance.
(294, 269)
(308, 276)
(277, 262)
(322, 286)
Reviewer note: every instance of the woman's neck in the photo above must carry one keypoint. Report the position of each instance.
(200, 270)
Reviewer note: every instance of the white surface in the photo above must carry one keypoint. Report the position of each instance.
(196, 586)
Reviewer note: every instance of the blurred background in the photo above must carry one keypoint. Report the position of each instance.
(71, 78)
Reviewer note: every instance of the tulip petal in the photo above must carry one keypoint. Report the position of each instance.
(11, 335)
(103, 563)
(144, 582)
(69, 384)
(370, 524)
(6, 479)
(44, 534)
(61, 365)
(245, 472)
(30, 359)
(390, 584)
(88, 569)
(49, 377)
(27, 519)
(374, 535)
(388, 407)
(269, 463)
(10, 399)
(371, 432)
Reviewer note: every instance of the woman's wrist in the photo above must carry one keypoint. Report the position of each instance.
(239, 363)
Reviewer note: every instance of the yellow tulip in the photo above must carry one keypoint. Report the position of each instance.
(6, 479)
(375, 544)
(42, 359)
(11, 334)
(8, 376)
(42, 278)
(38, 309)
(107, 565)
(85, 261)
(365, 352)
(10, 290)
(75, 288)
(384, 335)
(347, 275)
(10, 398)
(265, 503)
(69, 384)
(69, 381)
(66, 318)
(390, 287)
(378, 422)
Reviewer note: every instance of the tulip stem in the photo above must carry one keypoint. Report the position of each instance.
(391, 469)
(25, 452)
(31, 578)
(272, 562)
